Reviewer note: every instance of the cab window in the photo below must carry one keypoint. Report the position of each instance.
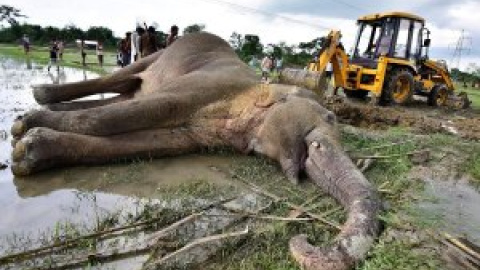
(385, 41)
(401, 46)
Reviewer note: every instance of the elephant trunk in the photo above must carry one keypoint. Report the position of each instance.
(331, 169)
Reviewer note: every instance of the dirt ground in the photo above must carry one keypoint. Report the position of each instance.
(418, 116)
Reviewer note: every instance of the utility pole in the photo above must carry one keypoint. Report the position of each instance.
(462, 48)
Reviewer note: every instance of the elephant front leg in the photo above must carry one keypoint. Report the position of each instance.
(43, 148)
(87, 104)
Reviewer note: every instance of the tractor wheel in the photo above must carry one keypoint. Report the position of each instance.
(398, 88)
(356, 94)
(438, 96)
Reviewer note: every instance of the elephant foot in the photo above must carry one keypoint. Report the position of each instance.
(40, 93)
(25, 122)
(18, 129)
(32, 153)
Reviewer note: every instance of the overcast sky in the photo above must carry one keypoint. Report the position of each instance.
(298, 20)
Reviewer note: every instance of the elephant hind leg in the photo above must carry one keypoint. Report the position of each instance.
(122, 81)
(87, 104)
(43, 148)
(50, 93)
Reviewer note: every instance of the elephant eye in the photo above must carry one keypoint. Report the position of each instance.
(331, 118)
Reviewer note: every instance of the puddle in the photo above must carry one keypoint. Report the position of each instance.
(35, 204)
(459, 206)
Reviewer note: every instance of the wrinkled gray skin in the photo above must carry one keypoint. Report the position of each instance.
(198, 94)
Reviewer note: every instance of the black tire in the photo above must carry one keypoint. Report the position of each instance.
(438, 95)
(398, 87)
(356, 94)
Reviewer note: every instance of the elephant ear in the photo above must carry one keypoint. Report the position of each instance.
(269, 95)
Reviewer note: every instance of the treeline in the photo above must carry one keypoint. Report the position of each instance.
(246, 46)
(43, 35)
(39, 35)
(249, 46)
(471, 77)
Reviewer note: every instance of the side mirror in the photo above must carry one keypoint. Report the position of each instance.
(426, 42)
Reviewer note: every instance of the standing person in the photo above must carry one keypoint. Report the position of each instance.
(53, 55)
(26, 44)
(126, 48)
(274, 63)
(148, 42)
(266, 66)
(279, 65)
(61, 48)
(133, 46)
(83, 52)
(119, 53)
(100, 53)
(173, 35)
(136, 40)
(253, 63)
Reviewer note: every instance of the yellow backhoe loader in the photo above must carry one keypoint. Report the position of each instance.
(389, 61)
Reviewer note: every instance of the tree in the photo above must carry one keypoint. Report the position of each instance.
(100, 33)
(251, 46)
(10, 14)
(194, 28)
(236, 41)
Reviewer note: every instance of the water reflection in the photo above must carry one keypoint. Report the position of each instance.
(34, 204)
(28, 61)
(27, 213)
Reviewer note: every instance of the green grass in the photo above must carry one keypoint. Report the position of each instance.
(269, 249)
(397, 255)
(473, 168)
(71, 57)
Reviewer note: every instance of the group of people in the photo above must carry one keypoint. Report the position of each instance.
(99, 52)
(270, 64)
(141, 43)
(56, 49)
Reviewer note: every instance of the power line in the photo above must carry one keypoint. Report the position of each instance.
(241, 8)
(350, 5)
(462, 47)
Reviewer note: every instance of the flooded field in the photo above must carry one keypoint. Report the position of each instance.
(33, 205)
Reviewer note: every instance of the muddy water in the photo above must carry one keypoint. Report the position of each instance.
(458, 206)
(34, 204)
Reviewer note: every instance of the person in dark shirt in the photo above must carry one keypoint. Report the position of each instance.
(173, 35)
(83, 53)
(126, 49)
(53, 55)
(148, 42)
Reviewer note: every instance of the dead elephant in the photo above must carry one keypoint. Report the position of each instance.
(196, 94)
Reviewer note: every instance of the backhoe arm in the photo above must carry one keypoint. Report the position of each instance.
(331, 52)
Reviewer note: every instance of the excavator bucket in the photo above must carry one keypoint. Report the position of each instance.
(459, 101)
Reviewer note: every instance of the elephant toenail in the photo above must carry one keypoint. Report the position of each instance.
(18, 128)
(19, 151)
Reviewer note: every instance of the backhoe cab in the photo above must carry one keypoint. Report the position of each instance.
(389, 60)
